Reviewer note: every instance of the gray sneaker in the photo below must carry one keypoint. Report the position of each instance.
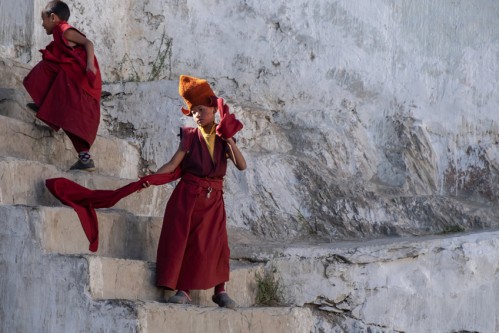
(223, 300)
(79, 165)
(179, 298)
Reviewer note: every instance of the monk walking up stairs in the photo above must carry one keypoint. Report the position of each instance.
(66, 85)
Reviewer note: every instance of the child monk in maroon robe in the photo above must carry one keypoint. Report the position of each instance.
(66, 85)
(193, 251)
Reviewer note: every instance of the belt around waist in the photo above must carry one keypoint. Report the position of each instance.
(214, 183)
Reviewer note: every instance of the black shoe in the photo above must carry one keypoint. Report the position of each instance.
(32, 106)
(79, 165)
(223, 300)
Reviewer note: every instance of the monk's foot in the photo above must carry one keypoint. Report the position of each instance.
(85, 166)
(180, 297)
(223, 300)
(32, 106)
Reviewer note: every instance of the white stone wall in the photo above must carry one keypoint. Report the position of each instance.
(48, 292)
(16, 29)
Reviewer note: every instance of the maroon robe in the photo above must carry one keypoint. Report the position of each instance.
(66, 94)
(193, 251)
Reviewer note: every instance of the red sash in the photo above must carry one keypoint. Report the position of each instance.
(84, 201)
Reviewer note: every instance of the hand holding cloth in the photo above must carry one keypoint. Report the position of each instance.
(228, 125)
(84, 201)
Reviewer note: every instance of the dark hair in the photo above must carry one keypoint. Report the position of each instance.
(59, 8)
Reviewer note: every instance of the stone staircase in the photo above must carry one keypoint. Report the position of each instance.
(52, 283)
(49, 282)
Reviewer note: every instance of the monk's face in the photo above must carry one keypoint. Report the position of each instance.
(49, 22)
(203, 115)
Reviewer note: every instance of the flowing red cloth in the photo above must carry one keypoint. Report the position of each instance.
(66, 94)
(84, 201)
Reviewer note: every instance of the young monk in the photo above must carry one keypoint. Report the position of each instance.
(193, 251)
(66, 85)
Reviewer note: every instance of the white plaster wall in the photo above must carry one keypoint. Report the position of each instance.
(48, 293)
(384, 58)
(16, 29)
(383, 54)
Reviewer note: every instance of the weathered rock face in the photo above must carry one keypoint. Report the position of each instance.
(390, 285)
(367, 120)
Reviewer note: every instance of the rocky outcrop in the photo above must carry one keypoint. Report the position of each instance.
(389, 285)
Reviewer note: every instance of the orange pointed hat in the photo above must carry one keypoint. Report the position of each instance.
(195, 92)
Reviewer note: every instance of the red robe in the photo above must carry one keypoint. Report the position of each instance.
(66, 94)
(193, 251)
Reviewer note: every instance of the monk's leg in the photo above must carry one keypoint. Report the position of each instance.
(40, 79)
(82, 147)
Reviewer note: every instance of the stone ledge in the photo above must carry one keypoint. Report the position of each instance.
(113, 157)
(112, 278)
(121, 234)
(22, 182)
(246, 246)
(156, 317)
(441, 283)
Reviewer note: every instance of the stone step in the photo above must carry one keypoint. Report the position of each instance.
(114, 274)
(113, 157)
(13, 105)
(48, 292)
(123, 237)
(156, 317)
(51, 291)
(22, 182)
(121, 234)
(12, 73)
(112, 278)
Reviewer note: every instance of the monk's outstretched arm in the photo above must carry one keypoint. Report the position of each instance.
(174, 162)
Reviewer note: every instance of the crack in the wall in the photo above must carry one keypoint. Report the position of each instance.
(33, 136)
(345, 322)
